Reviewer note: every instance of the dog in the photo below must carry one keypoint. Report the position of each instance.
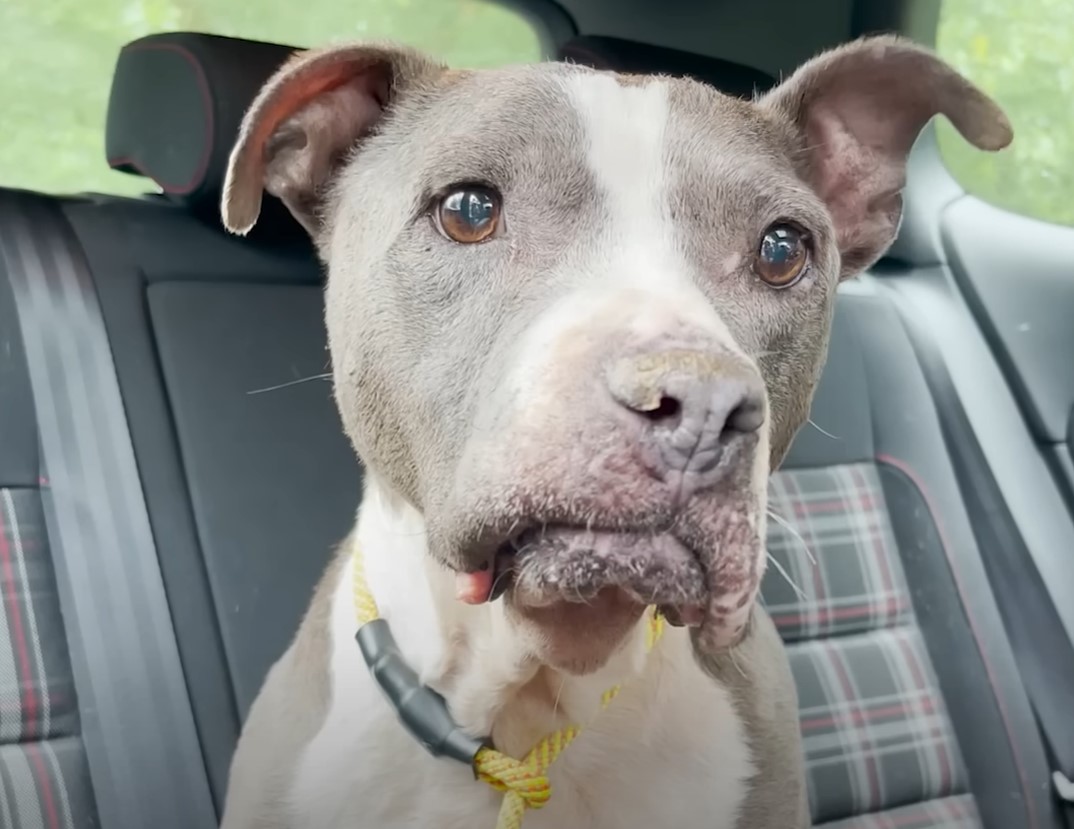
(575, 318)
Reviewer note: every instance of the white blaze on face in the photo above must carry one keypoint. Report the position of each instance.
(625, 127)
(627, 152)
(632, 280)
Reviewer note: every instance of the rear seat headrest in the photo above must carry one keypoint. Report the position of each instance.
(640, 58)
(175, 108)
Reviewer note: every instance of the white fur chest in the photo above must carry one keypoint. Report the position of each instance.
(669, 752)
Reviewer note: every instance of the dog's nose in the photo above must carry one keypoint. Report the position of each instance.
(693, 403)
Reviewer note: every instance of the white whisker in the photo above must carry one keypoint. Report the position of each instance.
(824, 432)
(731, 655)
(783, 572)
(559, 693)
(783, 522)
(506, 573)
(290, 383)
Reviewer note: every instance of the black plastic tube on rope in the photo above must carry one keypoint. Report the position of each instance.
(422, 711)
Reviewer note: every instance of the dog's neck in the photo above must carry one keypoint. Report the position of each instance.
(472, 654)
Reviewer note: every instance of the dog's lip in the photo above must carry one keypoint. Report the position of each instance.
(524, 533)
(573, 564)
(503, 563)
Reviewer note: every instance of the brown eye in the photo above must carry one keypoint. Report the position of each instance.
(783, 256)
(469, 214)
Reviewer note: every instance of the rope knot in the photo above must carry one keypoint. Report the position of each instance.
(506, 774)
(524, 782)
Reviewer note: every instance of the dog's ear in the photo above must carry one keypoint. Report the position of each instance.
(855, 113)
(306, 120)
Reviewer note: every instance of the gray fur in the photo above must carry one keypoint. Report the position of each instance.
(423, 332)
(757, 676)
(286, 715)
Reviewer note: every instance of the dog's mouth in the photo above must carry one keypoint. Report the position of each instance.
(559, 563)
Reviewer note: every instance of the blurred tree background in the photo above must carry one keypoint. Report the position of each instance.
(1022, 53)
(56, 59)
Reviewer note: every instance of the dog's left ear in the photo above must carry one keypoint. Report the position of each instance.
(306, 121)
(855, 113)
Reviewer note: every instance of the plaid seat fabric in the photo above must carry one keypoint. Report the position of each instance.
(44, 779)
(879, 746)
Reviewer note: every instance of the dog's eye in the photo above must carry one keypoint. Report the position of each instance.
(783, 256)
(469, 214)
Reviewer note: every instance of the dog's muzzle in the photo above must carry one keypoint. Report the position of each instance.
(647, 486)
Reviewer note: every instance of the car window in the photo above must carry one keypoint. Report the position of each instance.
(57, 57)
(1019, 51)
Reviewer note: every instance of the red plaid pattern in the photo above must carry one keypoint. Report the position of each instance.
(829, 533)
(37, 699)
(44, 781)
(874, 726)
(45, 785)
(879, 747)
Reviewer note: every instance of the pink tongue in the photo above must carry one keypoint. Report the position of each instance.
(473, 588)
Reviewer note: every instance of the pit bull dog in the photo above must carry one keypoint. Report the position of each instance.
(575, 319)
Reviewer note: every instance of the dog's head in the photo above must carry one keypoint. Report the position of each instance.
(575, 317)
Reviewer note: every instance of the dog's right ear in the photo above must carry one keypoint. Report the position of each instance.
(306, 120)
(856, 111)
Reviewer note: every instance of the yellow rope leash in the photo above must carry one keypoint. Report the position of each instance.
(524, 782)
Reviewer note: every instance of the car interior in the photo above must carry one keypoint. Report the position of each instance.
(174, 476)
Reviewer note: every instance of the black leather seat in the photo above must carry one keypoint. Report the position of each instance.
(912, 710)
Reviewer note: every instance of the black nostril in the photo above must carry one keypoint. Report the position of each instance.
(667, 411)
(746, 417)
(693, 402)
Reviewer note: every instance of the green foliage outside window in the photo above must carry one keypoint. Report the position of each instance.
(57, 56)
(1022, 53)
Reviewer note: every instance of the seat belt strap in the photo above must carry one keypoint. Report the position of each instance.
(1043, 652)
(137, 726)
